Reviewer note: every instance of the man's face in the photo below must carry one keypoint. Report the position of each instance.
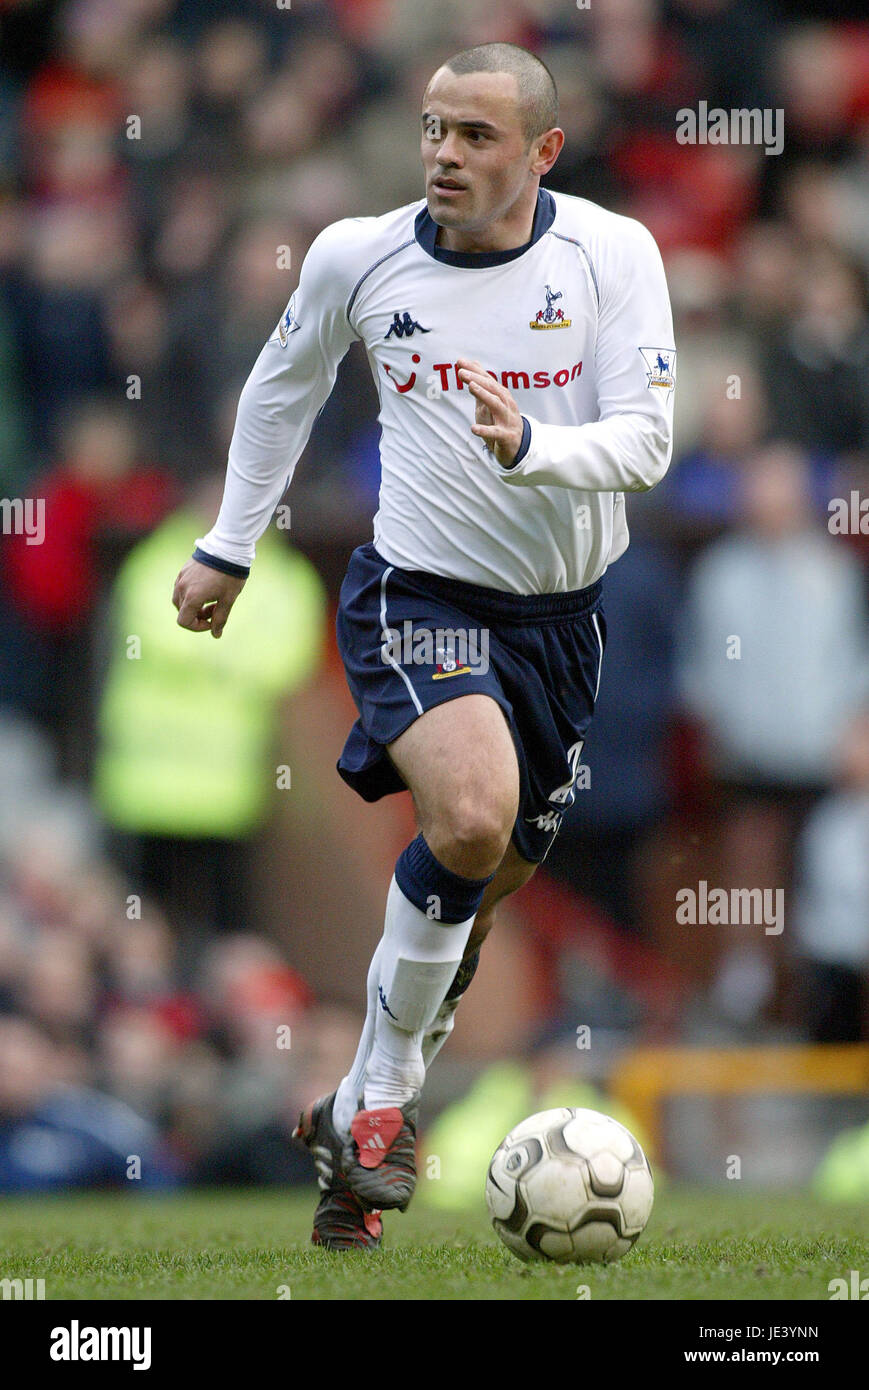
(474, 152)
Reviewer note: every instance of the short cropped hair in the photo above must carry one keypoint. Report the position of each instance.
(538, 96)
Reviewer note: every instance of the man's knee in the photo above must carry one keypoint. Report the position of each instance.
(476, 825)
(460, 762)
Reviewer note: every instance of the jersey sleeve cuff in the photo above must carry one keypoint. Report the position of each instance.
(225, 566)
(524, 446)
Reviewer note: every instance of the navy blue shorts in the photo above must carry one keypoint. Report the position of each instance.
(411, 640)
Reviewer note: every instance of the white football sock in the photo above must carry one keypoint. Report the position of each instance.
(418, 961)
(350, 1091)
(439, 1029)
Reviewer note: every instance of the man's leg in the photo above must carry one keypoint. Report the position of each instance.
(512, 873)
(459, 762)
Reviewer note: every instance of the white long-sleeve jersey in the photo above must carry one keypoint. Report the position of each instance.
(576, 324)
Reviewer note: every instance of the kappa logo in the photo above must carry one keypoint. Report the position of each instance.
(403, 326)
(548, 820)
(383, 1004)
(661, 365)
(550, 317)
(564, 795)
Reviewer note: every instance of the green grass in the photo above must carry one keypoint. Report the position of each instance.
(219, 1245)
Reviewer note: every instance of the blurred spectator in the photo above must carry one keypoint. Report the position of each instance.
(822, 68)
(254, 1142)
(774, 658)
(701, 495)
(157, 97)
(137, 1056)
(116, 1048)
(253, 261)
(150, 341)
(250, 994)
(767, 268)
(58, 987)
(15, 465)
(817, 371)
(55, 299)
(831, 909)
(713, 350)
(731, 44)
(598, 847)
(774, 643)
(99, 498)
(585, 165)
(55, 1137)
(187, 729)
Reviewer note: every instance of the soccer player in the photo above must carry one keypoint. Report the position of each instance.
(522, 346)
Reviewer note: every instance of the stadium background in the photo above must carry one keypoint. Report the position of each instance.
(188, 894)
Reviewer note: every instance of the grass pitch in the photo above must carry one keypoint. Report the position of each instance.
(254, 1245)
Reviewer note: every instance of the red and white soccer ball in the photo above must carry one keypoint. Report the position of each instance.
(570, 1186)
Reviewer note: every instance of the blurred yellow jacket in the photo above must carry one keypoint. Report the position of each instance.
(187, 724)
(843, 1173)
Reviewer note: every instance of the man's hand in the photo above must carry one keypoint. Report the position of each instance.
(204, 596)
(499, 422)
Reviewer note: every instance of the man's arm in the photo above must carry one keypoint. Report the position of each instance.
(628, 448)
(290, 381)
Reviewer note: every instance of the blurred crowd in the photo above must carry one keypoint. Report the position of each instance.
(135, 1047)
(164, 165)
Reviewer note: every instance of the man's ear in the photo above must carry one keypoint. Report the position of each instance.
(549, 146)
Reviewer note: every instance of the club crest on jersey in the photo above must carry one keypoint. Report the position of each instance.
(448, 665)
(550, 317)
(288, 323)
(661, 365)
(403, 326)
